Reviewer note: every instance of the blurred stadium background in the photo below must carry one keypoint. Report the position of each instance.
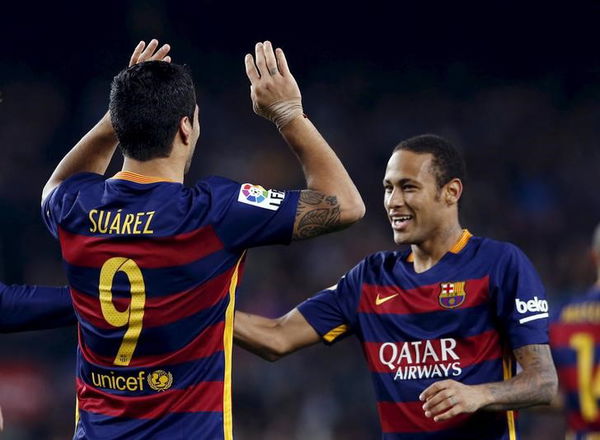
(516, 86)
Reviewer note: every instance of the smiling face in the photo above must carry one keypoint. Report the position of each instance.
(417, 208)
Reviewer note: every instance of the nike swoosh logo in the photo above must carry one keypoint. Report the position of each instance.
(379, 301)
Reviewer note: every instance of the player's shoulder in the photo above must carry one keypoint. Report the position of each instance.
(383, 260)
(79, 181)
(497, 249)
(590, 297)
(582, 308)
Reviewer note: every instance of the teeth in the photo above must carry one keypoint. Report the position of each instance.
(401, 218)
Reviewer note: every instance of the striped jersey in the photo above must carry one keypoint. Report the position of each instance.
(152, 268)
(459, 320)
(575, 340)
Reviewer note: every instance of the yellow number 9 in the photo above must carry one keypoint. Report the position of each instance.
(133, 316)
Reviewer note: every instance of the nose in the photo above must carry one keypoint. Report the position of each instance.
(394, 199)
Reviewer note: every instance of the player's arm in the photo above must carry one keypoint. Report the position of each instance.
(272, 339)
(331, 200)
(24, 308)
(536, 384)
(95, 150)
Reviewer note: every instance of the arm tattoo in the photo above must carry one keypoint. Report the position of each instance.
(316, 214)
(535, 385)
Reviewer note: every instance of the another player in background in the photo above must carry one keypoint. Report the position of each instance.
(441, 324)
(26, 308)
(575, 340)
(153, 265)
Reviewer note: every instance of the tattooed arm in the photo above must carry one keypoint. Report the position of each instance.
(317, 214)
(331, 201)
(536, 384)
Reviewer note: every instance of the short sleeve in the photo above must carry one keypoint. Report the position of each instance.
(24, 308)
(248, 215)
(61, 199)
(521, 304)
(332, 312)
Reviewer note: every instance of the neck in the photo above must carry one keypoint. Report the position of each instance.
(428, 253)
(164, 168)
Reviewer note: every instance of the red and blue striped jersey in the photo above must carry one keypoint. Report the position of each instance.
(153, 267)
(458, 320)
(575, 340)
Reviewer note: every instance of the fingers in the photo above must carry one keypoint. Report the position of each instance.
(161, 53)
(136, 53)
(148, 51)
(143, 53)
(270, 59)
(452, 412)
(282, 62)
(251, 71)
(433, 389)
(439, 403)
(261, 64)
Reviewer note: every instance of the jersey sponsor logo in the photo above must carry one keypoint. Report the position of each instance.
(452, 295)
(425, 359)
(379, 300)
(535, 305)
(160, 380)
(256, 195)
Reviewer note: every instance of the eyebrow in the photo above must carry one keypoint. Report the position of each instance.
(401, 181)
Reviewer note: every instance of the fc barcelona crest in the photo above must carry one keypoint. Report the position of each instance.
(452, 295)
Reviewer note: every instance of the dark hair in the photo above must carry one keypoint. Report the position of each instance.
(447, 160)
(147, 102)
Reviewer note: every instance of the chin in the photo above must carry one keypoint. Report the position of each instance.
(401, 239)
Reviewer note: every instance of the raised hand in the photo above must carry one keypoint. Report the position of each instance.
(143, 53)
(274, 92)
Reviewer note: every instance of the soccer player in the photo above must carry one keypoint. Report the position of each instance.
(153, 265)
(575, 340)
(441, 323)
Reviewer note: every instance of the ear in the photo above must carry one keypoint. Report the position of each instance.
(453, 191)
(595, 257)
(185, 129)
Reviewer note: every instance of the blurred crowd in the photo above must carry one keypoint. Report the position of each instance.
(532, 151)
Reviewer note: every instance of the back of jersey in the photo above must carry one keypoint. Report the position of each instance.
(575, 340)
(153, 267)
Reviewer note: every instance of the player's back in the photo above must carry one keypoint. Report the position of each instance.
(153, 268)
(575, 339)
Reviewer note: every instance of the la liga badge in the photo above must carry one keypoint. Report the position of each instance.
(260, 197)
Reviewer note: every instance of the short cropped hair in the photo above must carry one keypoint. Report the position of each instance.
(147, 102)
(447, 161)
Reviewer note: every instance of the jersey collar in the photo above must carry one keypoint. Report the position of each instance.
(455, 249)
(139, 178)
